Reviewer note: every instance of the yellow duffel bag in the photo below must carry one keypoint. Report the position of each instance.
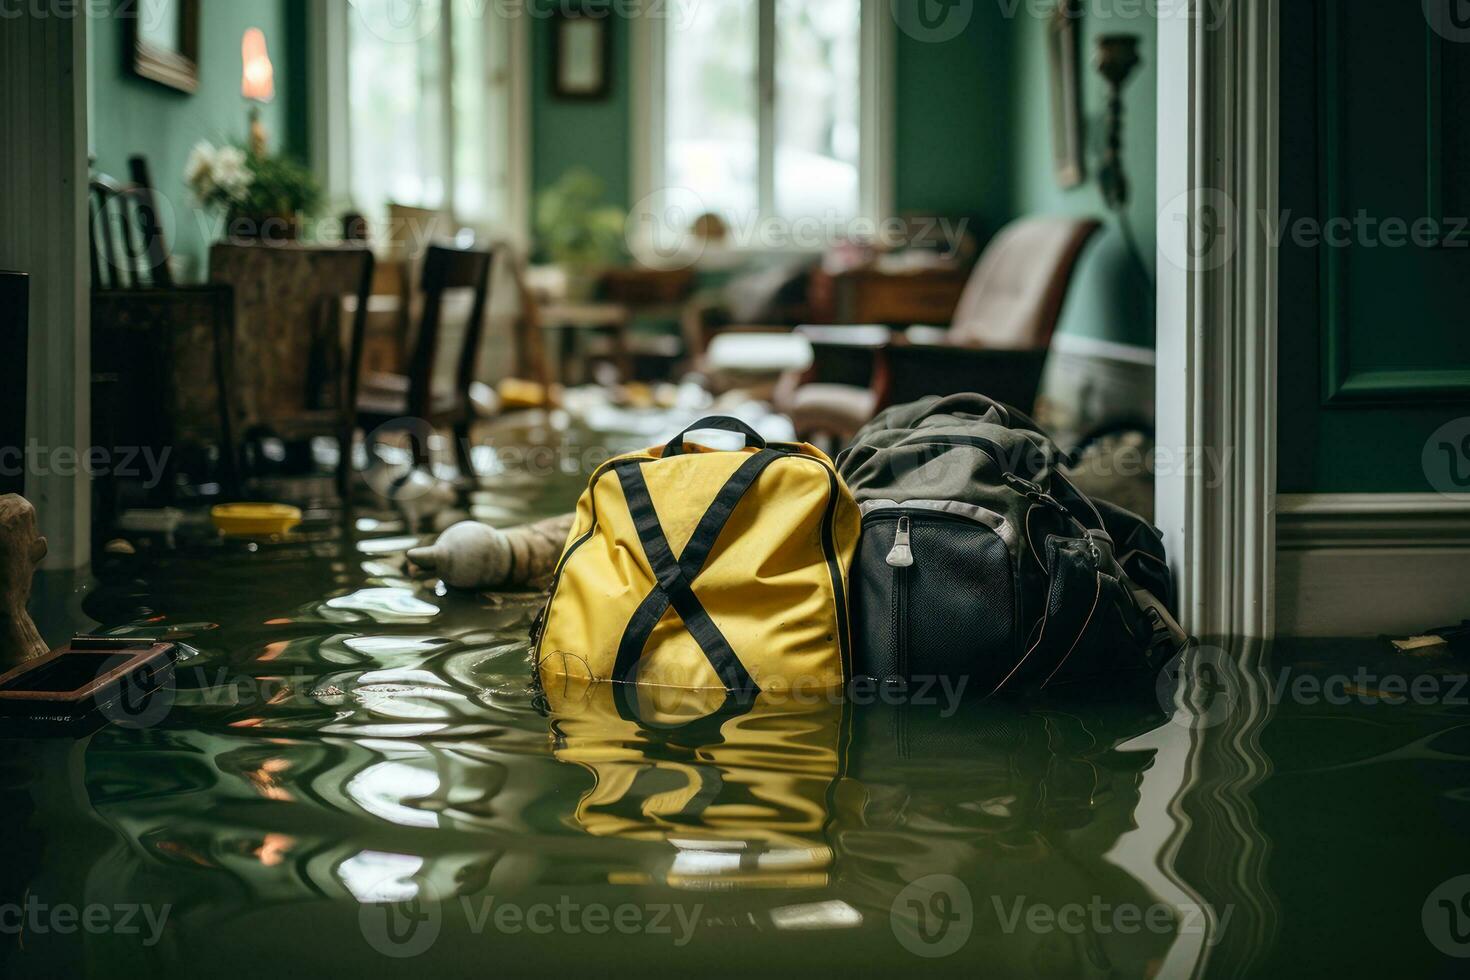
(694, 568)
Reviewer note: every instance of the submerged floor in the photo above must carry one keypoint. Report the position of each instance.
(353, 776)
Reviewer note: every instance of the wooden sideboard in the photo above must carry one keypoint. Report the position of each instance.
(897, 299)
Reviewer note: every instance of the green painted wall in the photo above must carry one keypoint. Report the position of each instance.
(952, 97)
(1111, 297)
(133, 115)
(1363, 298)
(567, 133)
(952, 102)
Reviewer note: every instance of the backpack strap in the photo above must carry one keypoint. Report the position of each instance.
(1076, 597)
(675, 577)
(1169, 636)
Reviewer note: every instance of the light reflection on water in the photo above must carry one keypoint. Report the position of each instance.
(338, 741)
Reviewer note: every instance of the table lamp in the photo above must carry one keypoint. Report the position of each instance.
(258, 85)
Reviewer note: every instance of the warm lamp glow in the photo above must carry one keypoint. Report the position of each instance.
(259, 80)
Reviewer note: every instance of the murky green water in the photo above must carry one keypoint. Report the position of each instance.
(353, 778)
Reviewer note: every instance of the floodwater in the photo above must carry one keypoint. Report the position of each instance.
(353, 777)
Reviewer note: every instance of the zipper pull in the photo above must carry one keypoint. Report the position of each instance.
(902, 556)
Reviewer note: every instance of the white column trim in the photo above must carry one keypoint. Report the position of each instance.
(876, 169)
(1218, 176)
(646, 51)
(43, 196)
(331, 145)
(765, 103)
(519, 162)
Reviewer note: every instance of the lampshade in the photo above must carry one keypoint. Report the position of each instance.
(259, 80)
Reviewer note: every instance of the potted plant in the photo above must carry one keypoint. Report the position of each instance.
(577, 233)
(262, 196)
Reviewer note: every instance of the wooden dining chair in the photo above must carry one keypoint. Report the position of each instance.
(160, 350)
(436, 389)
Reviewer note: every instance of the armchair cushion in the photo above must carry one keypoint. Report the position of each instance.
(1014, 297)
(832, 409)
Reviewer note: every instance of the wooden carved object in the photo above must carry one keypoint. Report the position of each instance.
(21, 550)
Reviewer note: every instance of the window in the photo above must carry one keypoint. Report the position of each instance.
(765, 109)
(429, 107)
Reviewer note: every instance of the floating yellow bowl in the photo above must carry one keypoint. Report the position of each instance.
(516, 393)
(255, 520)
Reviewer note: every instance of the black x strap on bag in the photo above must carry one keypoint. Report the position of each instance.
(675, 577)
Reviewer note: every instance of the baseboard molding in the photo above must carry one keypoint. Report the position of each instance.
(1370, 564)
(1108, 350)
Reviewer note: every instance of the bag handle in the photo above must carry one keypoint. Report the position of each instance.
(723, 423)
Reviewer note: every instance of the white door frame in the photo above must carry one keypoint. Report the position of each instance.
(1218, 181)
(43, 196)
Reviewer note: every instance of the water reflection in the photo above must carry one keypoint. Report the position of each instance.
(737, 788)
(348, 734)
(1024, 806)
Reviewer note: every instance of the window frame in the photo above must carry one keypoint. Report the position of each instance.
(330, 112)
(876, 114)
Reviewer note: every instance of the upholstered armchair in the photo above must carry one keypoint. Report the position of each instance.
(997, 343)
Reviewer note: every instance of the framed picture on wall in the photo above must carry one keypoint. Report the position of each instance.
(582, 52)
(1066, 93)
(163, 42)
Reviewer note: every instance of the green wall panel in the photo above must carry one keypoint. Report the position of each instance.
(133, 115)
(568, 133)
(1373, 349)
(953, 109)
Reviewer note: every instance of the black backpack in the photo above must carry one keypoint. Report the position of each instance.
(980, 559)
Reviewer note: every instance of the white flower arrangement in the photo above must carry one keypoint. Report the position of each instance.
(218, 176)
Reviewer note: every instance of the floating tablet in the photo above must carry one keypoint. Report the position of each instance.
(86, 676)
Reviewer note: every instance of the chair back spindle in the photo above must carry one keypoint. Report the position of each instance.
(127, 246)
